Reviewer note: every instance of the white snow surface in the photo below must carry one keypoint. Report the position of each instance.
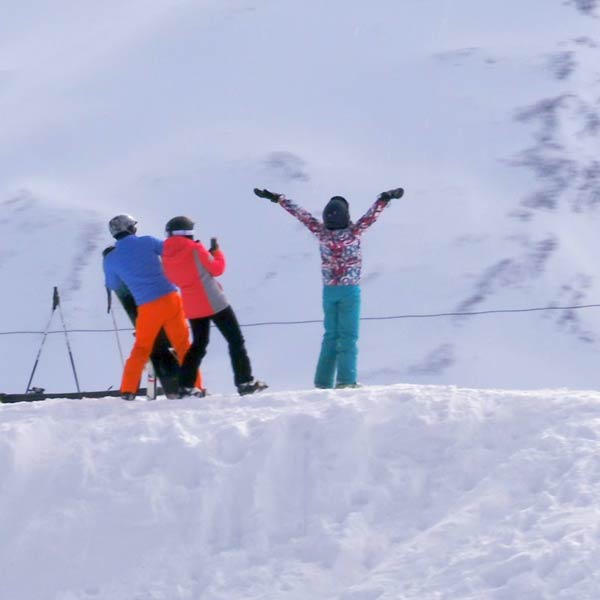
(398, 492)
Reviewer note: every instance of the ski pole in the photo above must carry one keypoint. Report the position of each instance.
(62, 318)
(44, 336)
(114, 320)
(151, 381)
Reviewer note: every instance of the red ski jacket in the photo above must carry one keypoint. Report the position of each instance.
(192, 268)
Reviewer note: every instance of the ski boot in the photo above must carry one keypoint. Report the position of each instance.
(192, 392)
(251, 386)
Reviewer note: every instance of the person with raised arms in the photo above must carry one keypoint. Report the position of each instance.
(341, 263)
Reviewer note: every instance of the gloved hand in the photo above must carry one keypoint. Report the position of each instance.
(267, 194)
(214, 245)
(387, 196)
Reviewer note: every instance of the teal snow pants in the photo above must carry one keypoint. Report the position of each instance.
(339, 349)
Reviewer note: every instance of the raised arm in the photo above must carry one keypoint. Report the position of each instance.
(376, 209)
(213, 261)
(313, 224)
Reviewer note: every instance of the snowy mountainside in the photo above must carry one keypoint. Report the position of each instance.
(415, 492)
(486, 120)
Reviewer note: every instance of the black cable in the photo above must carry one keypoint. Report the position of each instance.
(484, 312)
(384, 318)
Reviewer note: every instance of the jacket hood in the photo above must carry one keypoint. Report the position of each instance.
(177, 247)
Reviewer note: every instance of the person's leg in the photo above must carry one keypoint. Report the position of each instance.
(147, 326)
(176, 328)
(228, 325)
(326, 366)
(348, 329)
(196, 352)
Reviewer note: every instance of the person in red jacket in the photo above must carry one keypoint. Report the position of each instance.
(193, 269)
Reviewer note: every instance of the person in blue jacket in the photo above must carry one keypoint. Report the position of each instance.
(135, 262)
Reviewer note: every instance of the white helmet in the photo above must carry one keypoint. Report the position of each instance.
(121, 224)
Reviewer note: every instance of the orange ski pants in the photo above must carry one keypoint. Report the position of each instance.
(164, 312)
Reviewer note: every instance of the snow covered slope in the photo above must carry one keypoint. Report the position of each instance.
(487, 113)
(419, 493)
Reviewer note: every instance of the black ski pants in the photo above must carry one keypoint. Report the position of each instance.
(227, 323)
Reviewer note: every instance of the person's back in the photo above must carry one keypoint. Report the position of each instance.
(135, 261)
(341, 256)
(192, 268)
(339, 238)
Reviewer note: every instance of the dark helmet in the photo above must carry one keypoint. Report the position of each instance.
(179, 226)
(336, 214)
(121, 224)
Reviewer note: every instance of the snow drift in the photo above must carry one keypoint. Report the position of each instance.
(373, 494)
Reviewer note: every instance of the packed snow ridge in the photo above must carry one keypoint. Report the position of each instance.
(397, 492)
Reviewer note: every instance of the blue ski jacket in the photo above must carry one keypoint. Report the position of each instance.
(135, 262)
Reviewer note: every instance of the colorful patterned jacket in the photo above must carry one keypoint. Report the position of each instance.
(341, 256)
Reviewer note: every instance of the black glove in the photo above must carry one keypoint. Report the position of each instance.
(214, 246)
(387, 196)
(267, 194)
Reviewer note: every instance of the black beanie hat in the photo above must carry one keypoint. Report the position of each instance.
(336, 214)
